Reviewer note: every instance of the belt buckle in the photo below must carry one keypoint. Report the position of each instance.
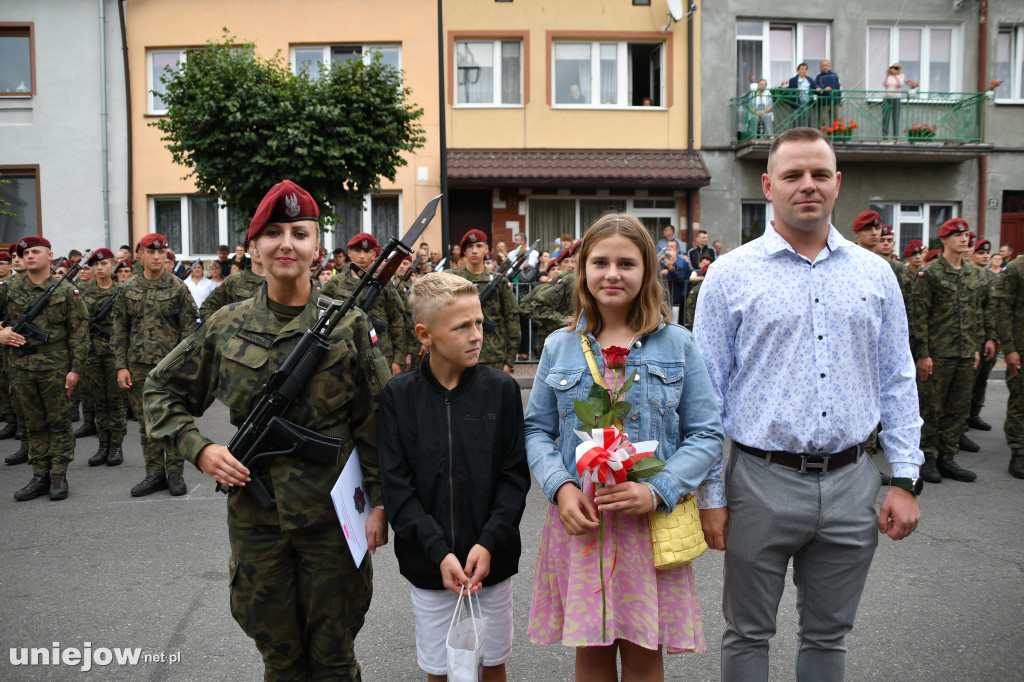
(805, 465)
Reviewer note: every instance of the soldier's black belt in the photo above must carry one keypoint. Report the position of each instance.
(806, 464)
(43, 348)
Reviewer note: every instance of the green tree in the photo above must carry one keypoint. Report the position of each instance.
(240, 124)
(5, 203)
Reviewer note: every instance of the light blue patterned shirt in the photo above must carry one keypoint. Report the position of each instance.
(809, 357)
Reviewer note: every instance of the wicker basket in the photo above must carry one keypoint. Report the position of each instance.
(677, 538)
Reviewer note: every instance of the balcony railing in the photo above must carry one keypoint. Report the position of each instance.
(866, 115)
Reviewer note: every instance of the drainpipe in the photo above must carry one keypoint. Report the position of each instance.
(103, 124)
(689, 119)
(982, 83)
(442, 101)
(127, 108)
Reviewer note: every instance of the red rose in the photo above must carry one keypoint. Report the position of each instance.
(615, 356)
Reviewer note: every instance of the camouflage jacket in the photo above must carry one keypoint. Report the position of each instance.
(64, 317)
(905, 278)
(234, 288)
(502, 309)
(412, 344)
(1010, 307)
(94, 298)
(550, 305)
(952, 315)
(229, 358)
(151, 318)
(691, 303)
(386, 310)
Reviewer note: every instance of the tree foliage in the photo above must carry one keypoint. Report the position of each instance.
(240, 124)
(5, 203)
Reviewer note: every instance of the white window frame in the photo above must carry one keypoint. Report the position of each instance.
(956, 50)
(496, 61)
(152, 78)
(1015, 80)
(902, 215)
(671, 213)
(367, 50)
(366, 219)
(186, 235)
(769, 214)
(798, 49)
(622, 74)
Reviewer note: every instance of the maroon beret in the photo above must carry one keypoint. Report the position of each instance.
(953, 226)
(983, 245)
(472, 237)
(887, 230)
(123, 263)
(153, 240)
(488, 256)
(66, 264)
(286, 202)
(98, 255)
(5, 257)
(867, 219)
(914, 246)
(170, 255)
(364, 241)
(932, 254)
(28, 243)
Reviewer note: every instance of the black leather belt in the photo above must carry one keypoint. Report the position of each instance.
(805, 464)
(43, 348)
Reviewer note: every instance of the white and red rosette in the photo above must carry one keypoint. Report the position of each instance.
(607, 455)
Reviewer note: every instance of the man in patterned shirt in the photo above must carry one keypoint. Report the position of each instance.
(802, 374)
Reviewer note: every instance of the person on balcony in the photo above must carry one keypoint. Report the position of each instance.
(800, 87)
(894, 84)
(761, 110)
(830, 94)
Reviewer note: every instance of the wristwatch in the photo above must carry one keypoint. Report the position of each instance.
(914, 485)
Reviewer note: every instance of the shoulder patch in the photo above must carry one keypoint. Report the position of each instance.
(920, 273)
(373, 336)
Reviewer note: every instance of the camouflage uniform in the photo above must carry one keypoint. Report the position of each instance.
(499, 347)
(234, 288)
(549, 305)
(984, 366)
(38, 377)
(691, 304)
(10, 408)
(905, 278)
(294, 587)
(952, 318)
(150, 319)
(100, 379)
(1010, 319)
(387, 314)
(411, 343)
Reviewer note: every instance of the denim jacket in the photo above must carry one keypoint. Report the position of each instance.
(672, 400)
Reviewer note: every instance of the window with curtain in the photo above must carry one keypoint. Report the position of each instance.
(930, 55)
(20, 189)
(608, 74)
(349, 223)
(161, 62)
(781, 45)
(167, 221)
(488, 72)
(316, 59)
(592, 209)
(915, 220)
(16, 60)
(572, 73)
(384, 217)
(203, 224)
(754, 218)
(549, 219)
(1010, 63)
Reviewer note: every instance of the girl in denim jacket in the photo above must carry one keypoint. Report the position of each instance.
(619, 302)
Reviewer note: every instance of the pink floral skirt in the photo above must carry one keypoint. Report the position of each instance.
(647, 607)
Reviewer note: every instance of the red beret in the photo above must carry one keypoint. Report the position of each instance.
(971, 237)
(28, 243)
(472, 237)
(153, 240)
(65, 264)
(123, 263)
(488, 256)
(286, 202)
(170, 255)
(953, 226)
(914, 246)
(5, 257)
(887, 230)
(364, 241)
(866, 219)
(932, 254)
(98, 255)
(983, 245)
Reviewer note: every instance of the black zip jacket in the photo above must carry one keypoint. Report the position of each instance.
(454, 470)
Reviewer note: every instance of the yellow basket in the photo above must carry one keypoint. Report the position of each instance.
(677, 538)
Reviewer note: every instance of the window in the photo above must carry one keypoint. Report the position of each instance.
(193, 224)
(17, 72)
(1010, 63)
(915, 221)
(160, 62)
(772, 50)
(316, 57)
(755, 217)
(548, 219)
(608, 74)
(19, 188)
(489, 72)
(379, 214)
(929, 55)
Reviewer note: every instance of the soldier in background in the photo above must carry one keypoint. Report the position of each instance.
(123, 270)
(1010, 322)
(979, 257)
(886, 243)
(46, 373)
(402, 285)
(946, 343)
(21, 456)
(867, 229)
(500, 346)
(236, 287)
(691, 298)
(100, 379)
(913, 256)
(6, 405)
(550, 305)
(154, 313)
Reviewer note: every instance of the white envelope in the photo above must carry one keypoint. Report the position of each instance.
(352, 505)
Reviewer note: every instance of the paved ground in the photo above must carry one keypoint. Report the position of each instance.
(103, 568)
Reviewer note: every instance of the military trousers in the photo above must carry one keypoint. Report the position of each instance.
(1013, 427)
(945, 402)
(156, 463)
(6, 402)
(301, 598)
(981, 384)
(41, 398)
(100, 385)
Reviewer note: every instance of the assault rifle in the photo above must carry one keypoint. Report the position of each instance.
(24, 325)
(513, 262)
(95, 328)
(265, 433)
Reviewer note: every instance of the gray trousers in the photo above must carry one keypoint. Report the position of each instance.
(827, 524)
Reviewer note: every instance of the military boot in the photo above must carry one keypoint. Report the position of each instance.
(102, 455)
(115, 455)
(176, 484)
(58, 487)
(979, 424)
(149, 485)
(929, 470)
(19, 457)
(39, 485)
(86, 429)
(76, 414)
(950, 469)
(9, 431)
(1017, 466)
(968, 445)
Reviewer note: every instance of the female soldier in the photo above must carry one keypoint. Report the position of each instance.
(294, 587)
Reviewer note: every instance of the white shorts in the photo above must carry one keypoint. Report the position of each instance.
(433, 611)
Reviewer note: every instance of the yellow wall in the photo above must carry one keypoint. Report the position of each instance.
(537, 124)
(275, 25)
